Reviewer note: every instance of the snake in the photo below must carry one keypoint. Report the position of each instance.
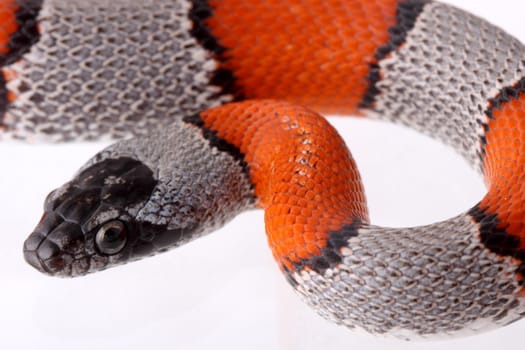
(214, 105)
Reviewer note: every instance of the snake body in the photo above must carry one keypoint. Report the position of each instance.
(164, 72)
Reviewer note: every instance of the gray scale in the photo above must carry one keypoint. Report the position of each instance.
(205, 178)
(441, 79)
(197, 187)
(416, 282)
(437, 279)
(110, 69)
(407, 282)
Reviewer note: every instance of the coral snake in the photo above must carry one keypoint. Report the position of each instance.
(207, 97)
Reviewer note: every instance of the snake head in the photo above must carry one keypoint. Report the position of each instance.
(137, 198)
(89, 223)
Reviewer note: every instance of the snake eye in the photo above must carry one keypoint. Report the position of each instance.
(111, 237)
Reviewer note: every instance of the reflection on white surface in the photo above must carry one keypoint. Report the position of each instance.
(222, 291)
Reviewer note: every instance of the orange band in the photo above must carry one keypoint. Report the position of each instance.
(503, 167)
(8, 23)
(304, 176)
(331, 76)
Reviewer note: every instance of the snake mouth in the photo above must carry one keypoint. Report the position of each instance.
(57, 248)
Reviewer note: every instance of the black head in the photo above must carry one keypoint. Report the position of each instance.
(90, 223)
(139, 197)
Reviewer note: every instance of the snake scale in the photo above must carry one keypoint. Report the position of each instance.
(207, 98)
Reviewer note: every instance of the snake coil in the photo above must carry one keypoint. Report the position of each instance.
(207, 96)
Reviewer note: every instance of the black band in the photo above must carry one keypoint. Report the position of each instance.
(331, 255)
(407, 15)
(27, 34)
(224, 78)
(218, 142)
(497, 240)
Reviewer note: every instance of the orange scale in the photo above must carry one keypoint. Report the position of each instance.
(298, 230)
(301, 220)
(300, 253)
(299, 213)
(314, 204)
(310, 185)
(295, 211)
(310, 237)
(517, 216)
(313, 250)
(9, 74)
(8, 19)
(11, 96)
(8, 23)
(263, 25)
(506, 195)
(279, 221)
(298, 190)
(289, 220)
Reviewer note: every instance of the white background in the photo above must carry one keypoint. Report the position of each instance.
(223, 291)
